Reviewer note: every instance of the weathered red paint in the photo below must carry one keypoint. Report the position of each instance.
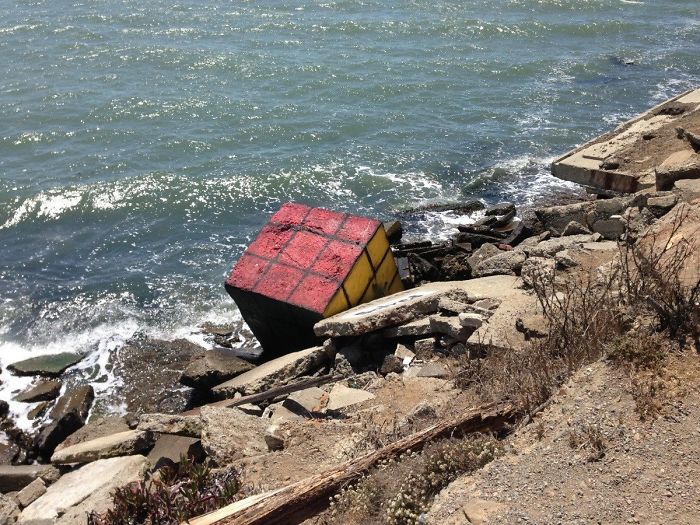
(325, 222)
(279, 281)
(314, 293)
(358, 229)
(303, 249)
(336, 260)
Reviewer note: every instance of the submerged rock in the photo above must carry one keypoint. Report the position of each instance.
(45, 365)
(43, 391)
(212, 368)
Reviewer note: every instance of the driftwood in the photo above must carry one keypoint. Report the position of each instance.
(269, 394)
(305, 498)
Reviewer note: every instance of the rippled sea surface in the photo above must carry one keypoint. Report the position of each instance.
(143, 144)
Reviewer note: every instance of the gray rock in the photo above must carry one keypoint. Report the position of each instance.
(169, 450)
(551, 247)
(68, 415)
(556, 218)
(424, 346)
(31, 493)
(179, 425)
(276, 372)
(273, 439)
(307, 401)
(445, 304)
(16, 477)
(536, 239)
(450, 326)
(505, 263)
(86, 489)
(660, 206)
(611, 228)
(487, 304)
(97, 428)
(403, 352)
(575, 228)
(563, 260)
(229, 434)
(391, 363)
(684, 164)
(125, 443)
(502, 208)
(212, 368)
(43, 391)
(341, 397)
(485, 251)
(536, 270)
(413, 329)
(45, 365)
(434, 370)
(470, 320)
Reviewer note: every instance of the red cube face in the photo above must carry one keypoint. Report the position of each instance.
(305, 264)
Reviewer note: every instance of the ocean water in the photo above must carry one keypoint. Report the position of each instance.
(143, 144)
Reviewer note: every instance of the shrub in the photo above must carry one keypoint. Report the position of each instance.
(171, 496)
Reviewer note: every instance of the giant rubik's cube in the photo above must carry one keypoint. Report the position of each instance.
(307, 264)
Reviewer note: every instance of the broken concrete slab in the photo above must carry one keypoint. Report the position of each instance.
(616, 161)
(403, 352)
(179, 425)
(687, 189)
(342, 396)
(662, 204)
(557, 218)
(393, 310)
(551, 247)
(405, 306)
(612, 228)
(449, 326)
(434, 369)
(169, 449)
(86, 489)
(31, 493)
(96, 428)
(276, 372)
(42, 391)
(575, 228)
(308, 401)
(120, 444)
(212, 368)
(470, 320)
(416, 328)
(50, 365)
(229, 434)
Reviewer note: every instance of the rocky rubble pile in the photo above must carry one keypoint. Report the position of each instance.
(410, 335)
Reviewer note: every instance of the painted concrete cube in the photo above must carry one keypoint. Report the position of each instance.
(307, 264)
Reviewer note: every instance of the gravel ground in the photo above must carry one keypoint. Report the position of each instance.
(649, 472)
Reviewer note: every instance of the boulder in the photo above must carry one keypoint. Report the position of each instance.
(276, 372)
(125, 443)
(212, 368)
(684, 164)
(68, 415)
(456, 267)
(86, 489)
(661, 205)
(424, 347)
(168, 450)
(536, 239)
(46, 365)
(38, 411)
(229, 434)
(486, 251)
(341, 397)
(537, 269)
(43, 391)
(470, 320)
(612, 228)
(403, 352)
(273, 438)
(502, 208)
(31, 493)
(687, 189)
(575, 228)
(189, 426)
(556, 218)
(504, 263)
